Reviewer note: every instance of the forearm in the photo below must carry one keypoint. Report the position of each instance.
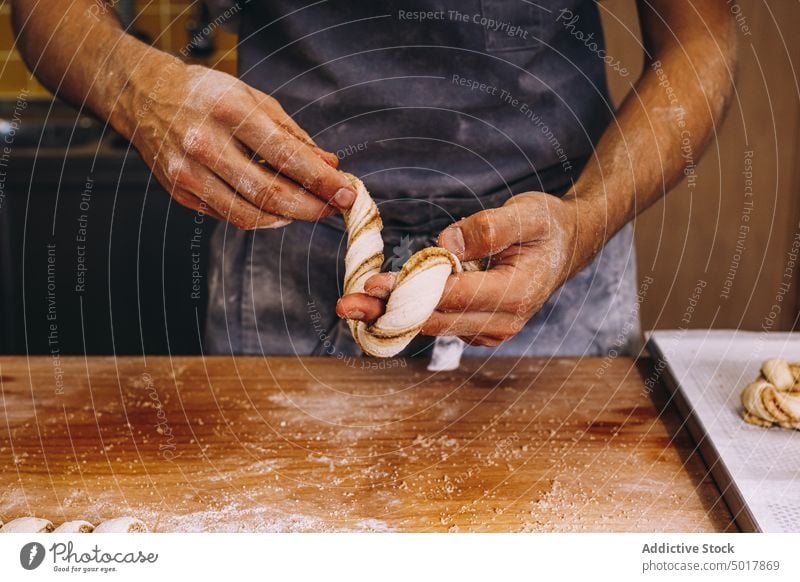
(79, 51)
(662, 126)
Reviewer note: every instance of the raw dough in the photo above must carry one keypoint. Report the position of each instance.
(39, 525)
(76, 526)
(418, 288)
(774, 398)
(121, 525)
(27, 525)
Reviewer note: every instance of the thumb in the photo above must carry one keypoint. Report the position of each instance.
(489, 232)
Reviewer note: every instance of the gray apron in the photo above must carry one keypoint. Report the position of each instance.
(441, 117)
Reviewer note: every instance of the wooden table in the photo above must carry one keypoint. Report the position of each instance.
(286, 444)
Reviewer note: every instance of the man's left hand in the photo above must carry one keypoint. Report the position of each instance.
(531, 244)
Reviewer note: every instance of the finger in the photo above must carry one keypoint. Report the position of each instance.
(208, 187)
(274, 110)
(192, 202)
(380, 285)
(360, 306)
(260, 185)
(499, 325)
(488, 232)
(279, 195)
(502, 289)
(293, 158)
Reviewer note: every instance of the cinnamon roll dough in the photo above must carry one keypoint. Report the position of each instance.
(418, 287)
(27, 525)
(40, 525)
(774, 398)
(75, 526)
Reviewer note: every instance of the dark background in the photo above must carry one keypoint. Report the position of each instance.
(137, 296)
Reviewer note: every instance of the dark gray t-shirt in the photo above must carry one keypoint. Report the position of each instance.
(443, 109)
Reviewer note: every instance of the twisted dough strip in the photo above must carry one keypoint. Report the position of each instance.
(41, 525)
(774, 398)
(418, 287)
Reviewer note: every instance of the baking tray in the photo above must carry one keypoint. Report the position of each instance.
(756, 469)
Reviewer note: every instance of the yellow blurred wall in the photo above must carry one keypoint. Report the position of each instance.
(164, 21)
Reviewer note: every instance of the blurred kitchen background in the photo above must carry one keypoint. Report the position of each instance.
(142, 252)
(709, 255)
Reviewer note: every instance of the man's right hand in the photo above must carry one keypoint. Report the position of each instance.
(203, 133)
